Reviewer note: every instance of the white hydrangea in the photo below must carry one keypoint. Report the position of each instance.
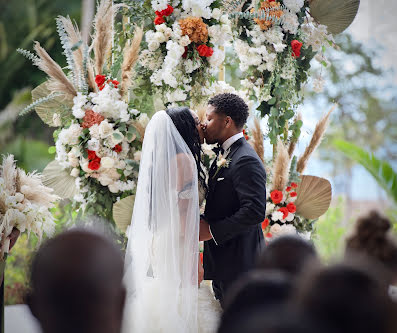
(159, 5)
(216, 13)
(109, 104)
(290, 22)
(198, 8)
(176, 96)
(217, 58)
(93, 144)
(78, 104)
(184, 41)
(294, 5)
(190, 65)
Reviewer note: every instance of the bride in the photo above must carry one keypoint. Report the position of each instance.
(162, 260)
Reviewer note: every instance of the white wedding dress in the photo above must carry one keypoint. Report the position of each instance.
(162, 250)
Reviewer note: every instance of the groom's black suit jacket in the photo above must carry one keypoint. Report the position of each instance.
(235, 208)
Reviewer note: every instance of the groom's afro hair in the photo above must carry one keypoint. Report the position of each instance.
(231, 105)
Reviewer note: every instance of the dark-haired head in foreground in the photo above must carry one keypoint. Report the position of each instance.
(288, 254)
(347, 297)
(372, 238)
(257, 289)
(226, 116)
(76, 281)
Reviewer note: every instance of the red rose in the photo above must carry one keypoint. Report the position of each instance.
(205, 51)
(293, 194)
(265, 223)
(294, 185)
(291, 207)
(100, 80)
(296, 48)
(285, 212)
(201, 257)
(288, 189)
(165, 12)
(159, 20)
(276, 196)
(117, 148)
(91, 155)
(95, 164)
(115, 83)
(269, 235)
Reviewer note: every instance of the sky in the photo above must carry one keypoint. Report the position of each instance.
(376, 26)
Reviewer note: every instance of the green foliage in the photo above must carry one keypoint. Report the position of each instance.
(329, 231)
(382, 171)
(30, 154)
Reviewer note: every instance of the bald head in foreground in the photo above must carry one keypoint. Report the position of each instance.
(76, 281)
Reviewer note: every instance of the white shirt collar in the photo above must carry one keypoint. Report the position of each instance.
(227, 144)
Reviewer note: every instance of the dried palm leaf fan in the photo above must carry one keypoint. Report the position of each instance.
(337, 15)
(59, 180)
(122, 212)
(313, 197)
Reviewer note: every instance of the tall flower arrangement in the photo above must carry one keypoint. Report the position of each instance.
(99, 132)
(183, 49)
(275, 42)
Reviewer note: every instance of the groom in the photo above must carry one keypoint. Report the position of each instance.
(236, 200)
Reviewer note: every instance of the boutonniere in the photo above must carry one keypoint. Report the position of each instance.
(222, 162)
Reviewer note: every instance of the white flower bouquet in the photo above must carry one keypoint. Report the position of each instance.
(24, 204)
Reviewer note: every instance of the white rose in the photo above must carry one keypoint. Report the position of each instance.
(277, 216)
(159, 37)
(153, 45)
(75, 172)
(93, 144)
(105, 180)
(85, 167)
(184, 41)
(216, 13)
(114, 188)
(73, 160)
(269, 207)
(224, 19)
(275, 229)
(107, 162)
(105, 129)
(56, 119)
(94, 131)
(226, 29)
(137, 156)
(143, 120)
(290, 217)
(160, 28)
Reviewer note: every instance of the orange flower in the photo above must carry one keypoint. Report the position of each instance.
(195, 29)
(272, 8)
(276, 196)
(291, 207)
(285, 212)
(265, 223)
(91, 118)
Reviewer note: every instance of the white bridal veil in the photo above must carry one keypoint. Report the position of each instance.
(162, 251)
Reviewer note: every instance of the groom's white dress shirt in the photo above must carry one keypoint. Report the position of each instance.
(226, 145)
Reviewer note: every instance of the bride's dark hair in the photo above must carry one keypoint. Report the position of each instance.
(186, 126)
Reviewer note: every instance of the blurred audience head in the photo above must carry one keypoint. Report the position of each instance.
(372, 238)
(346, 297)
(265, 320)
(256, 289)
(76, 281)
(288, 254)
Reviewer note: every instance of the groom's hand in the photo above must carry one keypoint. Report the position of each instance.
(205, 233)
